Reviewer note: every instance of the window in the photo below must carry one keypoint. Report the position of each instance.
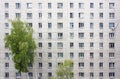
(39, 75)
(71, 44)
(101, 45)
(6, 55)
(71, 35)
(60, 45)
(60, 35)
(6, 74)
(40, 64)
(111, 65)
(71, 5)
(40, 44)
(91, 74)
(101, 54)
(6, 25)
(6, 15)
(91, 15)
(91, 5)
(111, 74)
(111, 35)
(18, 15)
(100, 15)
(59, 25)
(40, 5)
(40, 35)
(71, 55)
(49, 74)
(6, 5)
(71, 25)
(6, 34)
(111, 15)
(60, 54)
(49, 25)
(81, 5)
(49, 5)
(30, 74)
(18, 5)
(101, 5)
(30, 24)
(91, 55)
(81, 25)
(40, 25)
(101, 35)
(6, 65)
(101, 25)
(40, 54)
(91, 25)
(91, 44)
(49, 54)
(49, 65)
(49, 35)
(91, 64)
(81, 45)
(71, 15)
(111, 54)
(59, 15)
(111, 5)
(81, 55)
(49, 45)
(18, 75)
(30, 65)
(81, 65)
(111, 45)
(81, 74)
(81, 15)
(29, 5)
(81, 35)
(101, 65)
(40, 15)
(59, 5)
(101, 74)
(49, 15)
(29, 15)
(91, 35)
(60, 63)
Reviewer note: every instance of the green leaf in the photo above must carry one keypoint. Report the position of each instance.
(21, 44)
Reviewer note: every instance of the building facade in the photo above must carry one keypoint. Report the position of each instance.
(86, 31)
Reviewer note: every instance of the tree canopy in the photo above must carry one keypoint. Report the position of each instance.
(64, 70)
(22, 45)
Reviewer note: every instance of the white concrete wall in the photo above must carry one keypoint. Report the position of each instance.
(66, 40)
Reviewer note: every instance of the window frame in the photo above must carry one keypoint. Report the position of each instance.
(29, 5)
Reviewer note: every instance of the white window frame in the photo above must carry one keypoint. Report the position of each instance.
(29, 5)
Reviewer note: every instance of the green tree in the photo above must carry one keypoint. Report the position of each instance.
(22, 45)
(64, 70)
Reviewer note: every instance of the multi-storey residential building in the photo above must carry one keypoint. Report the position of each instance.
(86, 31)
